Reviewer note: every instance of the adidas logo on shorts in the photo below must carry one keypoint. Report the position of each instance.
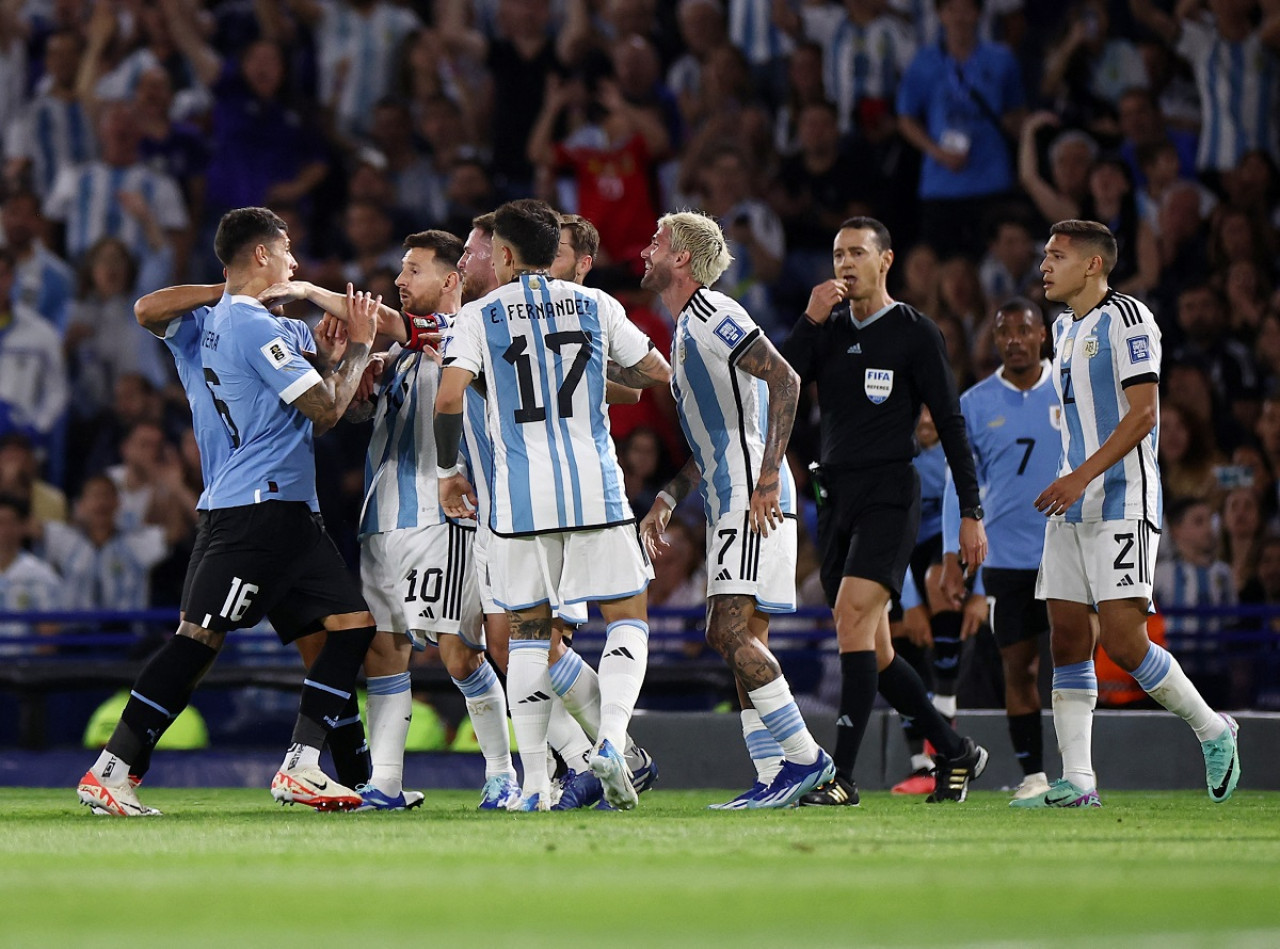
(1125, 581)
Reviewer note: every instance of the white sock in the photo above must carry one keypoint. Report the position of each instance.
(622, 668)
(779, 714)
(1075, 693)
(529, 697)
(487, 708)
(945, 704)
(110, 770)
(579, 689)
(390, 710)
(566, 736)
(765, 752)
(921, 762)
(300, 757)
(1163, 679)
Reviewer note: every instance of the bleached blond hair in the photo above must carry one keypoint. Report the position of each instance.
(701, 236)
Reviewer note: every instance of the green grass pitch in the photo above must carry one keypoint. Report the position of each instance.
(228, 868)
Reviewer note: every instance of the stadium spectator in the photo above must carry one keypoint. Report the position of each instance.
(89, 199)
(1193, 577)
(370, 242)
(33, 377)
(1242, 531)
(103, 567)
(53, 131)
(1011, 267)
(27, 583)
(1071, 155)
(417, 182)
(702, 31)
(1202, 316)
(1247, 291)
(804, 87)
(1187, 455)
(1236, 68)
(42, 281)
(1143, 126)
(356, 44)
(14, 36)
(150, 483)
(960, 103)
(20, 479)
(1088, 69)
(103, 341)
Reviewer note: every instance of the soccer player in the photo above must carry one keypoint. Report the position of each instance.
(562, 528)
(737, 400)
(1104, 515)
(1012, 418)
(177, 315)
(576, 683)
(415, 562)
(267, 546)
(876, 361)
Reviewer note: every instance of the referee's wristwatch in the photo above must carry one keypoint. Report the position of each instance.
(974, 512)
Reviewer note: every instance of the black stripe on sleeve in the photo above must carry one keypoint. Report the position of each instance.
(744, 345)
(1139, 379)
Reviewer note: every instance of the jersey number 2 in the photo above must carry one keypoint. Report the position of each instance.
(530, 410)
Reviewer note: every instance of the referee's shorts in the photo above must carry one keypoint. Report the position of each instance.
(867, 527)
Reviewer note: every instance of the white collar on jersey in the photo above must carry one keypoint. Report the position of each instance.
(245, 298)
(1046, 373)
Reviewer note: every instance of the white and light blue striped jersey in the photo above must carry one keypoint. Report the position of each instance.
(52, 134)
(359, 51)
(858, 62)
(1016, 447)
(45, 283)
(752, 30)
(477, 449)
(1114, 345)
(724, 411)
(1177, 583)
(922, 16)
(541, 346)
(255, 371)
(400, 486)
(1239, 86)
(84, 198)
(28, 585)
(115, 576)
(182, 336)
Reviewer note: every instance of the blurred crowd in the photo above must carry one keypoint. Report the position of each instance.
(130, 126)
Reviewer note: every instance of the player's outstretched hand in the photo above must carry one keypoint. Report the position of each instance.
(369, 381)
(766, 509)
(281, 294)
(458, 497)
(825, 296)
(362, 315)
(654, 526)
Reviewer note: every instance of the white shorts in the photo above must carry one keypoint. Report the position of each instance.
(741, 561)
(567, 569)
(575, 614)
(1097, 560)
(420, 582)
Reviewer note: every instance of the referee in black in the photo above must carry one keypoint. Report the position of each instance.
(876, 362)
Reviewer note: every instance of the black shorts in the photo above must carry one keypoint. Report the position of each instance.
(1016, 614)
(197, 554)
(867, 527)
(271, 558)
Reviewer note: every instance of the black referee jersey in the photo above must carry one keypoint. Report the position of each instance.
(872, 380)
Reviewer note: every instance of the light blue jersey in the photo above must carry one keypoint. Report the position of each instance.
(1016, 446)
(931, 466)
(255, 371)
(182, 336)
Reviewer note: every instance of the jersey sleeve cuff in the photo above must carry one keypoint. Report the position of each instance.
(461, 362)
(1139, 379)
(744, 345)
(299, 386)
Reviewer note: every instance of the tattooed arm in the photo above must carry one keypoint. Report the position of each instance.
(326, 401)
(650, 371)
(678, 488)
(763, 361)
